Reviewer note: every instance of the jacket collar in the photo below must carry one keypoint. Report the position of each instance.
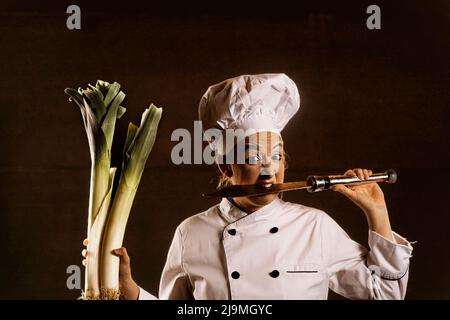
(232, 213)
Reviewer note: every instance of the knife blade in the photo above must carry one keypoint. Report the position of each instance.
(245, 190)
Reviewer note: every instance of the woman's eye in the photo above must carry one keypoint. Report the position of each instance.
(276, 157)
(252, 159)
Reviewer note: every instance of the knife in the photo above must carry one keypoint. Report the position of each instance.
(312, 184)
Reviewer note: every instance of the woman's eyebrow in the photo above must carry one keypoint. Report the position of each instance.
(279, 145)
(257, 147)
(252, 146)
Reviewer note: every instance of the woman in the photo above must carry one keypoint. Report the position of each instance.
(261, 247)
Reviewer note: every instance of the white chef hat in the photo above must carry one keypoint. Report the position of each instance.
(253, 103)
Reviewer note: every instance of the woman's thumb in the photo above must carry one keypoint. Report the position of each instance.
(122, 254)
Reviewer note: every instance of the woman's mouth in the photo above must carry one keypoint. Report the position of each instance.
(265, 184)
(266, 181)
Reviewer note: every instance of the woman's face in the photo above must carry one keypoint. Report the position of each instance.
(264, 165)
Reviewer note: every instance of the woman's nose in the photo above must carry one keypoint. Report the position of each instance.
(265, 161)
(268, 168)
(265, 172)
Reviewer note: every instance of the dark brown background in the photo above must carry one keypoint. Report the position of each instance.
(373, 99)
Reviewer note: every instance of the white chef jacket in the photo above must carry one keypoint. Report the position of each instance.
(281, 251)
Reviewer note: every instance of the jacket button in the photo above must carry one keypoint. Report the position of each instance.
(235, 275)
(232, 232)
(274, 274)
(274, 230)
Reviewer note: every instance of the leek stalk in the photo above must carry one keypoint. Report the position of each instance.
(138, 145)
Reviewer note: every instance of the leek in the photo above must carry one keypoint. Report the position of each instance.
(137, 148)
(100, 107)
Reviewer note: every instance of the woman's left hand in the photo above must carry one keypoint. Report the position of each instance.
(369, 197)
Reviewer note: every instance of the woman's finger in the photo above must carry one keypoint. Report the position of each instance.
(84, 262)
(85, 242)
(359, 173)
(366, 174)
(84, 253)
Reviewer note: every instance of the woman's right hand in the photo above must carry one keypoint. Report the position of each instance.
(129, 289)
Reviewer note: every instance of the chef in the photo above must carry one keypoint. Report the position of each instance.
(261, 247)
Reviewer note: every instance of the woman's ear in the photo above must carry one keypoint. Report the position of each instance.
(225, 169)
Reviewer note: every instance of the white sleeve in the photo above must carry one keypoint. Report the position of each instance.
(356, 273)
(175, 282)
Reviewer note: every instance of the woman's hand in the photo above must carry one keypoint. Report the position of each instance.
(129, 290)
(370, 198)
